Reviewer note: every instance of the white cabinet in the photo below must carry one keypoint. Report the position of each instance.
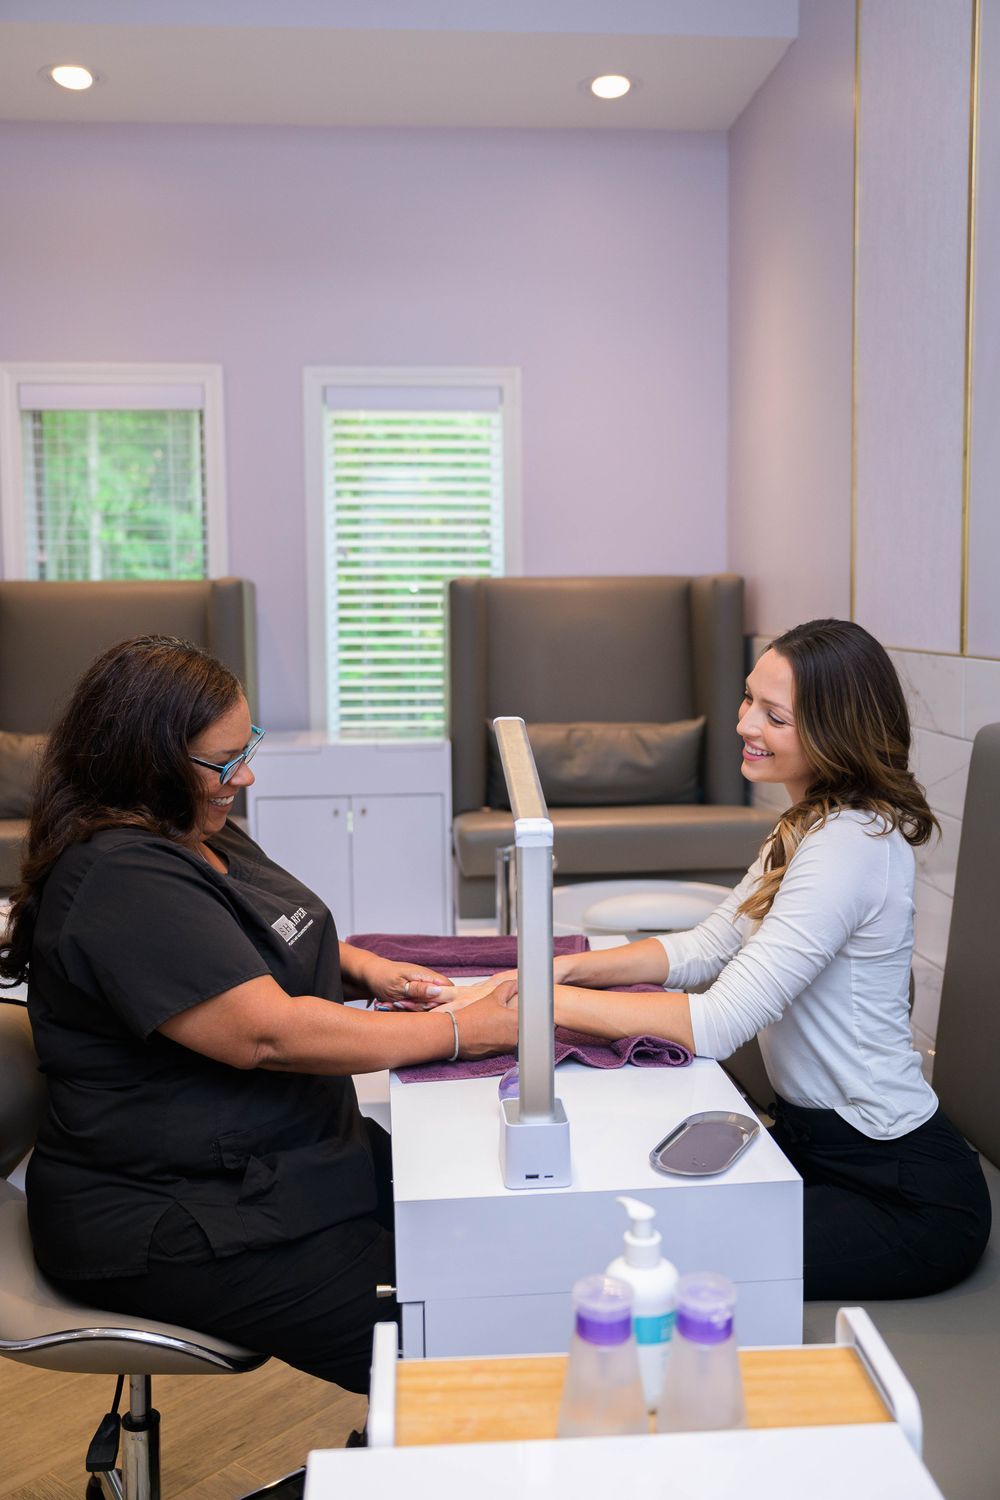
(366, 826)
(399, 862)
(311, 837)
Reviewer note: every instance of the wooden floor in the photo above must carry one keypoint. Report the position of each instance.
(221, 1435)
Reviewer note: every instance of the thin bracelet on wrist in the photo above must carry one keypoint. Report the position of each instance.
(454, 1026)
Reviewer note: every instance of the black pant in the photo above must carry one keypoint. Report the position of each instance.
(900, 1218)
(310, 1301)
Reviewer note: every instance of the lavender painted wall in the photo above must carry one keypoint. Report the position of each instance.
(913, 129)
(984, 509)
(596, 262)
(790, 236)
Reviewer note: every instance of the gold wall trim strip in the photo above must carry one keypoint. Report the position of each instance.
(855, 232)
(970, 301)
(923, 651)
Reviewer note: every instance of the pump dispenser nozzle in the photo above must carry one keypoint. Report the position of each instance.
(642, 1241)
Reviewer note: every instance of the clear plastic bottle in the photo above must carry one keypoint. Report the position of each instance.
(703, 1389)
(509, 1084)
(603, 1393)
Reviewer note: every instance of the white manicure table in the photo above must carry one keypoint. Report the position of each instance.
(481, 1269)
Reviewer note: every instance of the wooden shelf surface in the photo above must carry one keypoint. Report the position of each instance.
(495, 1400)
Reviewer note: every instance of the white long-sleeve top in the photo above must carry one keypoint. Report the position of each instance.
(822, 981)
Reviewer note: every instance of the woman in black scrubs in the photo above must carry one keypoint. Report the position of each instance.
(203, 1159)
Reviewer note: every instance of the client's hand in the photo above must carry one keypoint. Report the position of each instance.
(464, 995)
(488, 1025)
(404, 986)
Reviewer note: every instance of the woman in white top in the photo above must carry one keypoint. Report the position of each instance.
(811, 954)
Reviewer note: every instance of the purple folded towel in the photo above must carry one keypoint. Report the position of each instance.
(458, 957)
(462, 957)
(570, 1046)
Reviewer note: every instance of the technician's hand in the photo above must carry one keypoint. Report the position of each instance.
(404, 986)
(489, 1025)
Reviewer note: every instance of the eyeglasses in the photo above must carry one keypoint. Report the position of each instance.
(228, 771)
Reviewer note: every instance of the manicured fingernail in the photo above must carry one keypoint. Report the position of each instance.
(433, 989)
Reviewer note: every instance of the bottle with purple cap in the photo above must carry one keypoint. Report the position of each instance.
(703, 1389)
(509, 1084)
(603, 1393)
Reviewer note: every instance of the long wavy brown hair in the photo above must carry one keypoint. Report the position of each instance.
(118, 758)
(852, 720)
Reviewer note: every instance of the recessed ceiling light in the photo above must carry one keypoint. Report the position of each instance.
(611, 86)
(71, 76)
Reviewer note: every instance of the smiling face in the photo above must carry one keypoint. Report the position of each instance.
(224, 738)
(772, 750)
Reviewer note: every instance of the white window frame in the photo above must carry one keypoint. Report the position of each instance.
(13, 376)
(315, 378)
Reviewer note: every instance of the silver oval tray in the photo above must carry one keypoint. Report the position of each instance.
(704, 1144)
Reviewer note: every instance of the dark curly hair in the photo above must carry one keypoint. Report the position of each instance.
(117, 758)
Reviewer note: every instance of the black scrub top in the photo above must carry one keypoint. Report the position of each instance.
(134, 929)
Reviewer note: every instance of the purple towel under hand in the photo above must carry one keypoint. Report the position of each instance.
(462, 957)
(570, 1046)
(458, 957)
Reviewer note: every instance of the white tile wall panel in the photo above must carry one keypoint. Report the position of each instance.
(931, 925)
(982, 695)
(937, 860)
(927, 981)
(934, 687)
(941, 765)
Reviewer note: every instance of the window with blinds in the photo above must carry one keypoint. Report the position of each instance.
(113, 477)
(415, 497)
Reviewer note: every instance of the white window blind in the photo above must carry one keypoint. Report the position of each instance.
(114, 482)
(415, 495)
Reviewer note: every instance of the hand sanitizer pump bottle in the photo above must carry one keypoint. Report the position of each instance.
(602, 1396)
(654, 1295)
(703, 1390)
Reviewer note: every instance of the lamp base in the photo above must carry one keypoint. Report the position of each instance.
(534, 1153)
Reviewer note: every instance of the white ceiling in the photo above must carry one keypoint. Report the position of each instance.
(511, 63)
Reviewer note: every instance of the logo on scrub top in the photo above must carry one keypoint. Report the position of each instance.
(290, 928)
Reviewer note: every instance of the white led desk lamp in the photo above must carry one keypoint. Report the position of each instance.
(534, 1130)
